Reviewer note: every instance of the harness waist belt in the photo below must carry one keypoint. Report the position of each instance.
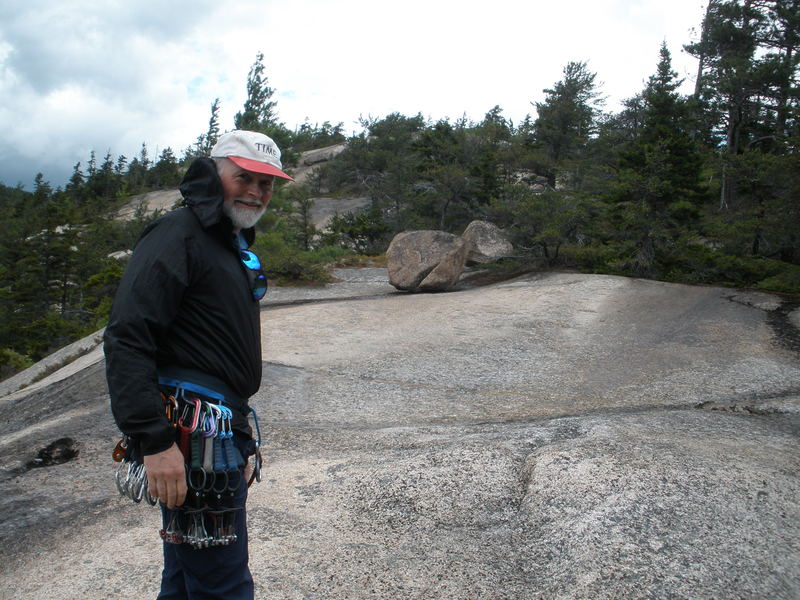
(201, 383)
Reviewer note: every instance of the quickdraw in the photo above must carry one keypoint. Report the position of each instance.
(214, 467)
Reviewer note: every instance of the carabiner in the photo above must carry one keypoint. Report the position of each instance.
(227, 418)
(209, 425)
(170, 408)
(258, 429)
(197, 480)
(258, 464)
(221, 476)
(190, 403)
(118, 478)
(233, 475)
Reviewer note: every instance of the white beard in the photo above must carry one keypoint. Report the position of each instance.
(241, 217)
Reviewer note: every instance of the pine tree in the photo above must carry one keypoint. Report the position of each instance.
(205, 141)
(782, 40)
(75, 187)
(165, 172)
(729, 83)
(665, 147)
(747, 99)
(566, 119)
(259, 110)
(212, 135)
(657, 193)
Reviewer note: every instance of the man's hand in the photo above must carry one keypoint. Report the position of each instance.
(166, 476)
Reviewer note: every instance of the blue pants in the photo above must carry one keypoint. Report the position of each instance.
(218, 572)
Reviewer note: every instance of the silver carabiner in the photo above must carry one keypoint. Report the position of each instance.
(139, 484)
(118, 478)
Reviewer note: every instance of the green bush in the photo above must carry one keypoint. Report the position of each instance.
(285, 264)
(12, 362)
(591, 259)
(787, 281)
(100, 288)
(691, 263)
(328, 255)
(696, 263)
(51, 332)
(365, 233)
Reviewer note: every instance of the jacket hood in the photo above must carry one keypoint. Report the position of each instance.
(202, 192)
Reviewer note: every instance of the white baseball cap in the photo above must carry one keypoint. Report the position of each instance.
(251, 151)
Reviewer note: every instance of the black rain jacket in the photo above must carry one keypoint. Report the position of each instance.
(183, 301)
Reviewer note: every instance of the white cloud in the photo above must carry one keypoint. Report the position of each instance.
(78, 76)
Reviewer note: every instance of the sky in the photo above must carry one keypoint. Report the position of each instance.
(78, 76)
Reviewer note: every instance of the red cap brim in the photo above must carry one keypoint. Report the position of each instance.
(259, 167)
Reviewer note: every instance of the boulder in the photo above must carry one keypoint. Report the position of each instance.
(486, 242)
(425, 261)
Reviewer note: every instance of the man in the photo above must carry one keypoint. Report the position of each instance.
(186, 317)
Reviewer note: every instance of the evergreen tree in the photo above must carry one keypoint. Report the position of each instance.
(136, 176)
(75, 187)
(259, 109)
(165, 172)
(782, 41)
(748, 96)
(665, 140)
(658, 189)
(447, 189)
(121, 166)
(91, 165)
(566, 119)
(491, 155)
(308, 137)
(106, 180)
(212, 135)
(205, 141)
(259, 112)
(379, 163)
(728, 89)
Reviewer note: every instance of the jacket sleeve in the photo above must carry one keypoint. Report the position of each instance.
(147, 300)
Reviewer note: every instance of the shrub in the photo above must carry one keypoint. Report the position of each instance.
(51, 332)
(591, 259)
(12, 362)
(788, 281)
(286, 264)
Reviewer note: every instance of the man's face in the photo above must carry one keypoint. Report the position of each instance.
(246, 194)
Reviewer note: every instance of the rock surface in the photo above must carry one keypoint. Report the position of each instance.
(161, 200)
(555, 436)
(324, 208)
(425, 261)
(311, 159)
(486, 242)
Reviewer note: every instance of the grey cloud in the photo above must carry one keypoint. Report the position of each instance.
(91, 44)
(55, 172)
(106, 54)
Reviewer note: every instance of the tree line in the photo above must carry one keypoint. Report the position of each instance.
(697, 188)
